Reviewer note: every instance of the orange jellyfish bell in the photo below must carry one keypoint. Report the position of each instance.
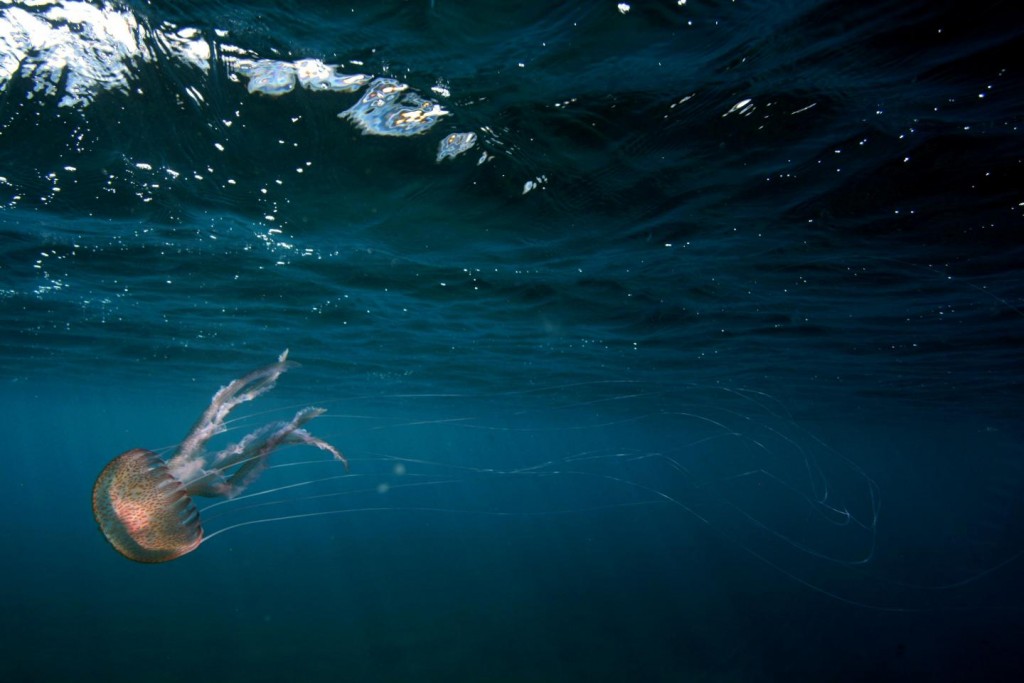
(144, 505)
(145, 512)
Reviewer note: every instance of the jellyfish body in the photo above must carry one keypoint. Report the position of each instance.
(145, 513)
(144, 505)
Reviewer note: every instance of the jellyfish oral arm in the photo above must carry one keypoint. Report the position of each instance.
(250, 456)
(211, 423)
(209, 476)
(301, 436)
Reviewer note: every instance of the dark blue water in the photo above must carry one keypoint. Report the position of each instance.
(704, 362)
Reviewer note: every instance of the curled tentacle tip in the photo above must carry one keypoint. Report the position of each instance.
(319, 443)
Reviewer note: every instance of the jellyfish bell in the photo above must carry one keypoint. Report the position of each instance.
(144, 505)
(143, 510)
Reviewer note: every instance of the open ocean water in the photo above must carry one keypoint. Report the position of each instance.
(666, 340)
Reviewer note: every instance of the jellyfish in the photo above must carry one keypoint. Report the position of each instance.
(144, 505)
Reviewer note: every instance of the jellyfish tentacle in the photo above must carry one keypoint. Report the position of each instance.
(189, 457)
(301, 436)
(252, 453)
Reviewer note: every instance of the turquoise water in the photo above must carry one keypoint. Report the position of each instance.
(702, 362)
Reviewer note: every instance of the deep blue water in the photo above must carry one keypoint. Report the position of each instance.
(704, 362)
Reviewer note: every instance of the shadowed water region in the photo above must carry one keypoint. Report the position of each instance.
(663, 341)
